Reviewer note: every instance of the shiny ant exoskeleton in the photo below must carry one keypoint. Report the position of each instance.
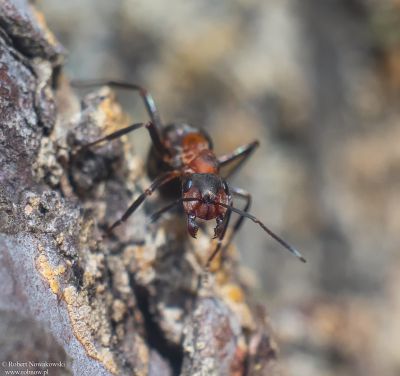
(180, 151)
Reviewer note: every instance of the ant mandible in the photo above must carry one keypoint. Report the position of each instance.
(184, 152)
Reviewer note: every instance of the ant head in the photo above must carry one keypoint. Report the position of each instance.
(207, 196)
(205, 190)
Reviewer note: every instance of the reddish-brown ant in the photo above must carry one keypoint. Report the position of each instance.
(180, 151)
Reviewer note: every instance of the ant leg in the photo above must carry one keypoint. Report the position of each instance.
(155, 138)
(157, 183)
(114, 135)
(155, 216)
(220, 238)
(243, 152)
(146, 96)
(246, 196)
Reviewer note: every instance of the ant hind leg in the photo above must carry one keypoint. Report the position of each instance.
(154, 126)
(145, 95)
(155, 137)
(114, 135)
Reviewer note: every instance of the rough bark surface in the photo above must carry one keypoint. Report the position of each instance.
(137, 303)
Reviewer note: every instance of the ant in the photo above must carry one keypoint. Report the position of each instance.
(181, 151)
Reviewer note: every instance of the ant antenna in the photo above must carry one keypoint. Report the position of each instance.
(291, 249)
(155, 216)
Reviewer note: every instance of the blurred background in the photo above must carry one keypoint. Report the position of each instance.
(318, 83)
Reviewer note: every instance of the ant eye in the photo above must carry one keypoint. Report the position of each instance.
(225, 187)
(187, 185)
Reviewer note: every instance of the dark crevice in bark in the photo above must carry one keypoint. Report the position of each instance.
(155, 336)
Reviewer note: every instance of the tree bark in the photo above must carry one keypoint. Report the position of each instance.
(136, 303)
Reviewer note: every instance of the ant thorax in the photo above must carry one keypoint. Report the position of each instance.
(191, 149)
(201, 162)
(197, 155)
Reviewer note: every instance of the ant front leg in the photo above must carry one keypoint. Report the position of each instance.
(242, 152)
(246, 196)
(157, 183)
(222, 227)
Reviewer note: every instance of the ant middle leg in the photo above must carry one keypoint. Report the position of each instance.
(242, 153)
(157, 183)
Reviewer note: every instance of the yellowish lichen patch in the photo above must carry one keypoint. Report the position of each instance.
(234, 297)
(118, 310)
(114, 117)
(28, 210)
(120, 276)
(50, 273)
(60, 238)
(143, 263)
(33, 204)
(93, 265)
(79, 311)
(233, 292)
(222, 276)
(215, 264)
